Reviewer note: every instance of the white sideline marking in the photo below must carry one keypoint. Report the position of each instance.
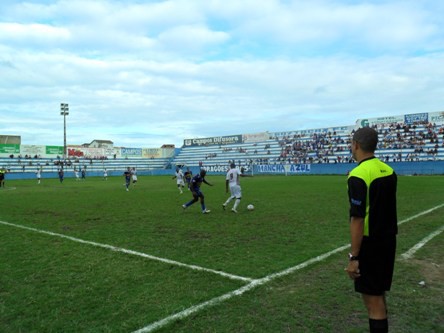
(7, 189)
(237, 292)
(412, 251)
(252, 282)
(420, 214)
(140, 254)
(196, 308)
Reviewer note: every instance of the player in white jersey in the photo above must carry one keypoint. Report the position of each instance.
(38, 173)
(179, 180)
(76, 173)
(134, 176)
(232, 183)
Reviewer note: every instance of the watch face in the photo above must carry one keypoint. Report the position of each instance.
(352, 257)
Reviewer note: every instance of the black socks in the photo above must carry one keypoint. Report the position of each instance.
(378, 325)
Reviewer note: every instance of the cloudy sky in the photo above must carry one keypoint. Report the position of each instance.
(147, 73)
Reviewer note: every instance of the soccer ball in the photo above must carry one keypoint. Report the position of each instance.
(250, 207)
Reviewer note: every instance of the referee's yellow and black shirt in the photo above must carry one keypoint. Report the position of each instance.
(372, 194)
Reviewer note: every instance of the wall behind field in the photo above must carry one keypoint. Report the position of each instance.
(401, 168)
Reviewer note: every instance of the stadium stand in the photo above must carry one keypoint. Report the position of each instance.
(118, 165)
(399, 141)
(264, 152)
(418, 142)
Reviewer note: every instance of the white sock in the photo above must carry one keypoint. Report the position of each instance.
(236, 203)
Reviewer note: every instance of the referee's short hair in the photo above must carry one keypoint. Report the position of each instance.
(367, 138)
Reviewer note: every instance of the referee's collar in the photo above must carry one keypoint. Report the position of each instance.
(367, 159)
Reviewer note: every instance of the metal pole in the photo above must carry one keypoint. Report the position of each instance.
(64, 111)
(64, 136)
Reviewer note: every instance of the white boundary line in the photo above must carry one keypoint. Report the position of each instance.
(421, 214)
(252, 282)
(7, 189)
(196, 308)
(140, 254)
(412, 251)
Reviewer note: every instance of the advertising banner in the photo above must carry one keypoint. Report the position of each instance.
(151, 153)
(9, 149)
(95, 153)
(131, 152)
(33, 150)
(256, 137)
(224, 168)
(379, 121)
(54, 150)
(283, 168)
(410, 119)
(309, 132)
(437, 117)
(216, 140)
(158, 152)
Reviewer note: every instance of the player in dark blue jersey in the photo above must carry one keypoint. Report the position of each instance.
(188, 175)
(61, 175)
(127, 175)
(195, 184)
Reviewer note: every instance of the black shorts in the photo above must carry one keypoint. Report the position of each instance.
(376, 264)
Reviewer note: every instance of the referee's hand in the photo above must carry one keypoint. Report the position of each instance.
(352, 269)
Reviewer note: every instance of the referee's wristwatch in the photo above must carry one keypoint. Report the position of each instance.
(351, 257)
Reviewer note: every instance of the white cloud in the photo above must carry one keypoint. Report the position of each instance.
(190, 39)
(32, 33)
(144, 74)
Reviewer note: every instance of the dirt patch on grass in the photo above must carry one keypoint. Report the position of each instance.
(431, 270)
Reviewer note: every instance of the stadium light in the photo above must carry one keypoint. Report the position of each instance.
(64, 111)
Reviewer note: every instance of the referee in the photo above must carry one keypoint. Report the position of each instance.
(2, 176)
(373, 227)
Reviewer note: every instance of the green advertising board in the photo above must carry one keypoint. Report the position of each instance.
(54, 150)
(9, 149)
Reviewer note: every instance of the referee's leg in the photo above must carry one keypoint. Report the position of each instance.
(377, 312)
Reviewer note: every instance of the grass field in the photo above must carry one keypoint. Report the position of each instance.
(90, 257)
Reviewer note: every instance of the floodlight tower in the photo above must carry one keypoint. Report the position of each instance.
(64, 111)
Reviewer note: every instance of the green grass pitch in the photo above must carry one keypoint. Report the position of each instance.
(91, 282)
